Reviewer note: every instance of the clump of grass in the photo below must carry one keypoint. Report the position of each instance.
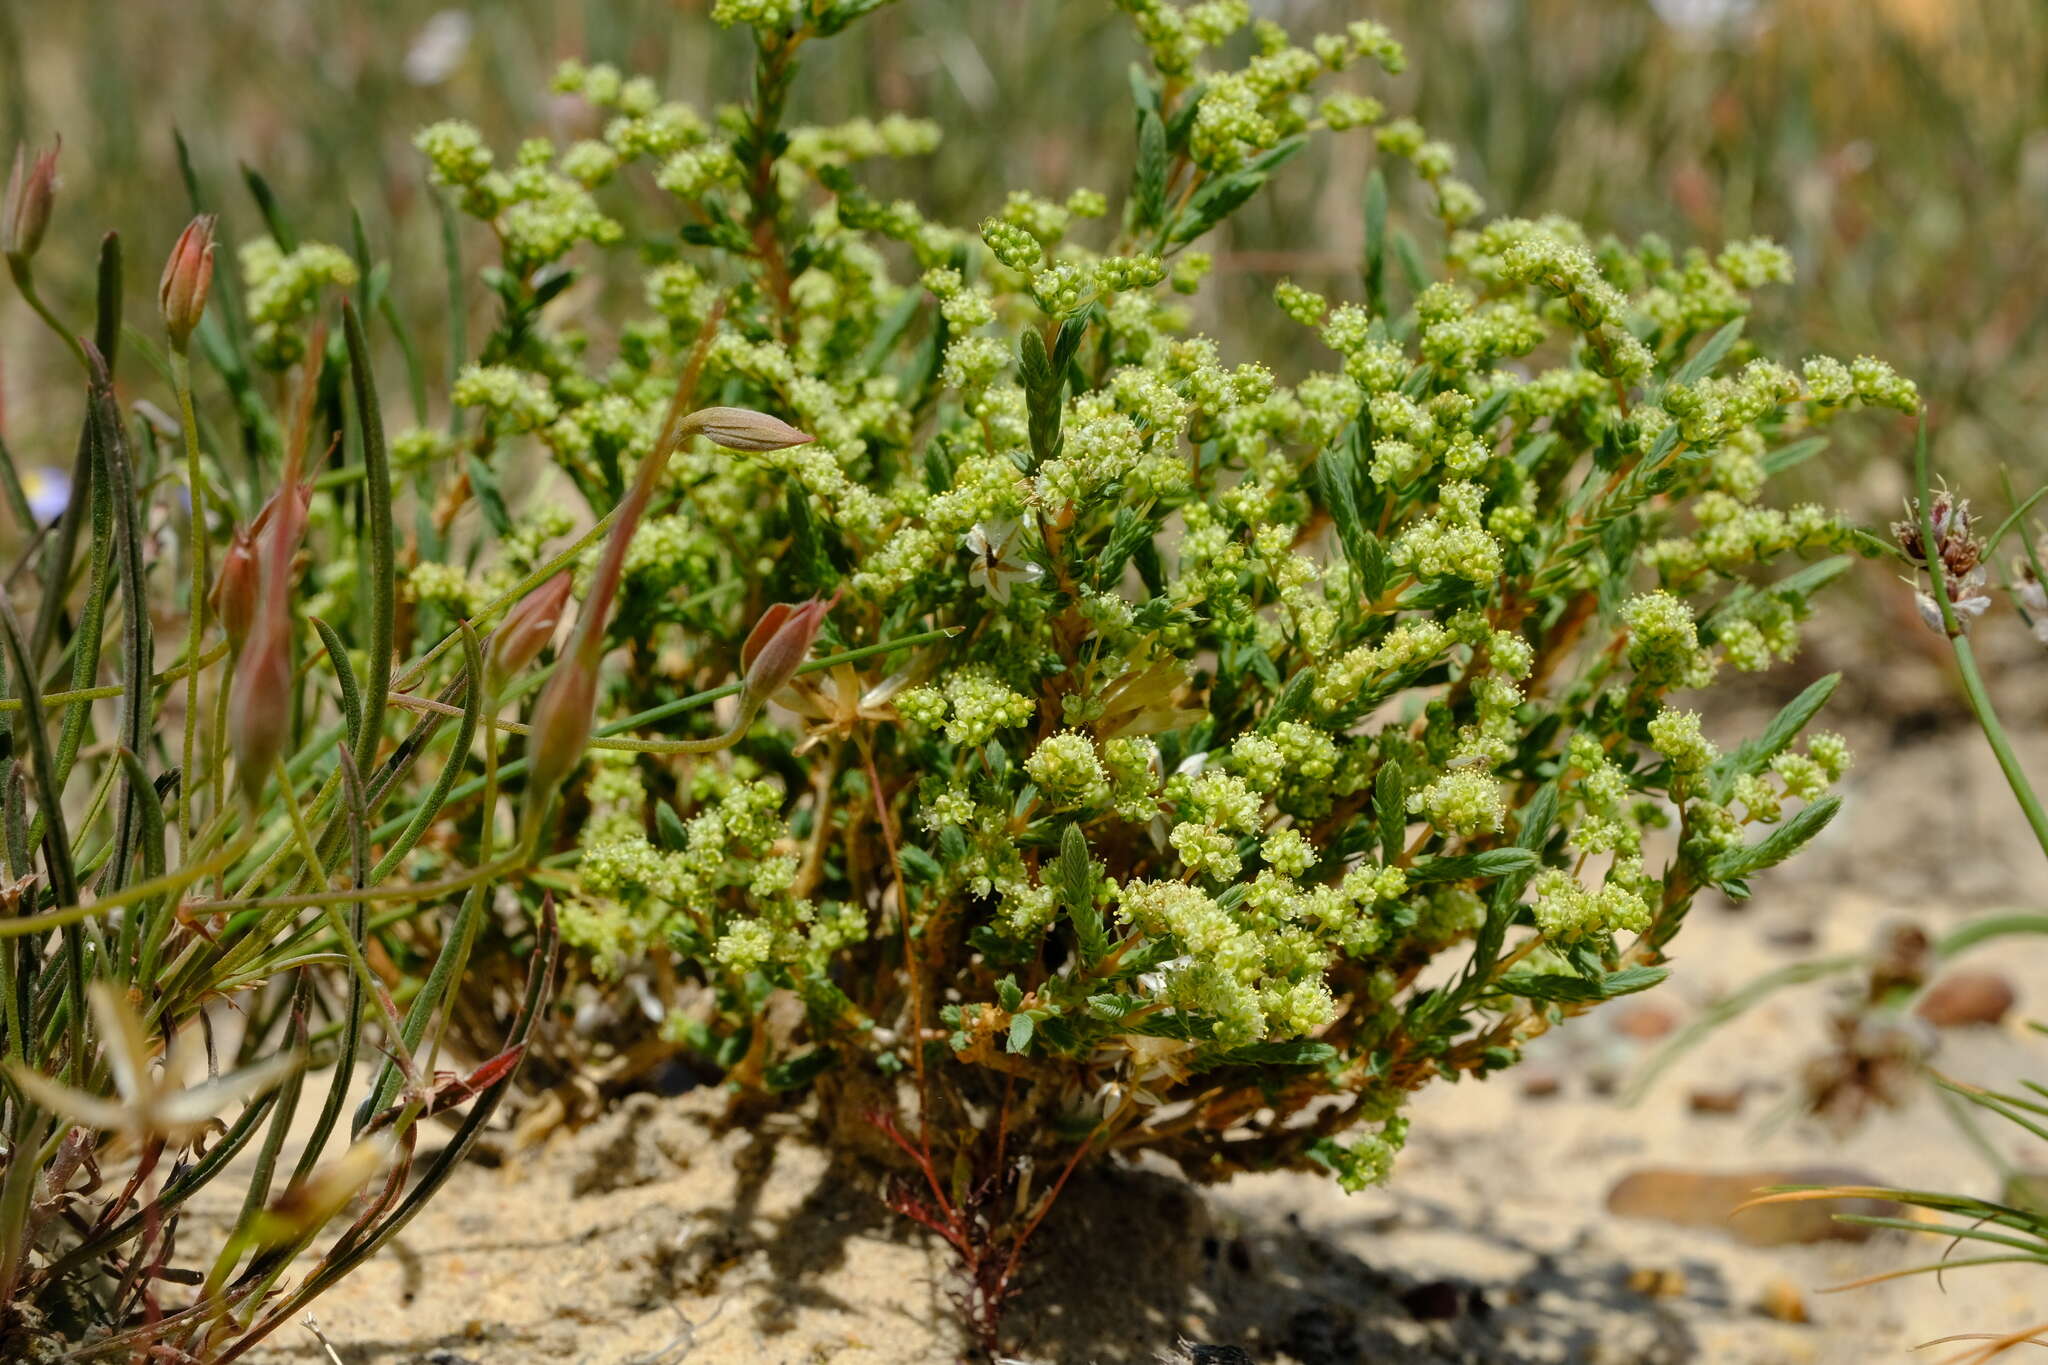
(202, 861)
(1951, 562)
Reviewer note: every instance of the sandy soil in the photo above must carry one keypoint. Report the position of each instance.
(658, 1235)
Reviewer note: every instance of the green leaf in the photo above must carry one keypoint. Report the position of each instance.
(1810, 579)
(1376, 243)
(1775, 847)
(1338, 480)
(1410, 258)
(1066, 342)
(1785, 457)
(1293, 1052)
(483, 481)
(1494, 862)
(1708, 356)
(1113, 1008)
(377, 506)
(919, 866)
(1225, 194)
(1022, 1026)
(844, 12)
(1148, 183)
(800, 1070)
(1753, 754)
(674, 837)
(1008, 994)
(1074, 879)
(1144, 94)
(810, 563)
(1537, 817)
(1557, 986)
(273, 216)
(1390, 810)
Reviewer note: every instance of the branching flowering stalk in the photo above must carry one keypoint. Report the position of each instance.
(112, 955)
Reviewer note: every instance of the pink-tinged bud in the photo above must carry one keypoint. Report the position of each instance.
(25, 213)
(235, 589)
(188, 274)
(778, 645)
(529, 627)
(260, 702)
(560, 731)
(745, 429)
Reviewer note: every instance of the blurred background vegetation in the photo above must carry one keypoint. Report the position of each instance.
(1899, 147)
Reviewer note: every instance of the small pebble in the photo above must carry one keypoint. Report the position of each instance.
(1783, 1301)
(1707, 1199)
(1645, 1021)
(1717, 1099)
(1657, 1282)
(1963, 999)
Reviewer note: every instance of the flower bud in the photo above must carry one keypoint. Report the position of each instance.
(745, 429)
(260, 702)
(234, 590)
(25, 213)
(778, 646)
(187, 274)
(559, 733)
(529, 627)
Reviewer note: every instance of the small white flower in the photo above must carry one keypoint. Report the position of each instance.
(1966, 598)
(2028, 592)
(997, 563)
(49, 493)
(438, 48)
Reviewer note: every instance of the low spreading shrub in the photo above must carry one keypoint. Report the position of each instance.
(1214, 758)
(1050, 735)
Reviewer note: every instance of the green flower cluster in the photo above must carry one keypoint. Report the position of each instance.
(1239, 695)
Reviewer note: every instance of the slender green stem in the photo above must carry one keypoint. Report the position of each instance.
(25, 281)
(417, 669)
(1966, 657)
(133, 894)
(338, 926)
(195, 490)
(517, 767)
(56, 700)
